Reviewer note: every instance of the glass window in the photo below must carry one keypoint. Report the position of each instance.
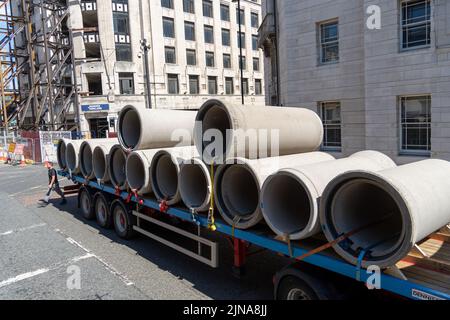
(245, 85)
(209, 59)
(212, 85)
(193, 85)
(225, 12)
(415, 123)
(126, 83)
(243, 66)
(258, 86)
(229, 88)
(416, 23)
(254, 42)
(172, 84)
(188, 6)
(170, 55)
(207, 8)
(255, 20)
(168, 27)
(241, 40)
(167, 4)
(241, 16)
(209, 34)
(255, 64)
(120, 22)
(189, 31)
(225, 37)
(330, 112)
(226, 61)
(123, 52)
(191, 57)
(329, 42)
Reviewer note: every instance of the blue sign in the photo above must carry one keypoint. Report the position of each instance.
(95, 107)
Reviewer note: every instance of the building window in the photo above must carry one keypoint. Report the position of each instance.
(189, 31)
(255, 19)
(167, 4)
(191, 57)
(258, 87)
(209, 34)
(193, 85)
(255, 64)
(209, 59)
(120, 23)
(226, 61)
(170, 55)
(415, 123)
(225, 37)
(225, 12)
(207, 8)
(242, 65)
(229, 88)
(188, 6)
(94, 81)
(245, 85)
(330, 112)
(168, 27)
(241, 39)
(329, 42)
(212, 85)
(172, 84)
(126, 83)
(254, 42)
(123, 52)
(416, 23)
(241, 16)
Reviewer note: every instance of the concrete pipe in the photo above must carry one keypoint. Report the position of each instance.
(86, 155)
(255, 132)
(73, 155)
(238, 182)
(391, 210)
(194, 181)
(100, 162)
(61, 153)
(290, 197)
(141, 128)
(164, 171)
(138, 170)
(116, 167)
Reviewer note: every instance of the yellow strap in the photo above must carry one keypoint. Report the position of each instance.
(212, 224)
(288, 240)
(233, 227)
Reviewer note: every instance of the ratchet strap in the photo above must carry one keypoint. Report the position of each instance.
(163, 206)
(211, 221)
(236, 220)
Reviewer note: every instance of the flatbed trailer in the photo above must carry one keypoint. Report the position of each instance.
(424, 274)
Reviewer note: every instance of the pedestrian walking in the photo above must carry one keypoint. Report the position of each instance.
(53, 184)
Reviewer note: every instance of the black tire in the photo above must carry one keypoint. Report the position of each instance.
(293, 288)
(85, 203)
(123, 219)
(101, 209)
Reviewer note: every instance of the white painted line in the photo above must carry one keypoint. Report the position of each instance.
(22, 229)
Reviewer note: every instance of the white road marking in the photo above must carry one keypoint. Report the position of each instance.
(22, 229)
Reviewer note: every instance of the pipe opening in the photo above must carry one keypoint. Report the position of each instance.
(193, 185)
(130, 128)
(216, 117)
(135, 172)
(118, 161)
(166, 177)
(61, 155)
(71, 157)
(239, 191)
(363, 203)
(86, 160)
(287, 205)
(99, 163)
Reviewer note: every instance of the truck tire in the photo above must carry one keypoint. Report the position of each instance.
(102, 213)
(85, 203)
(123, 219)
(292, 288)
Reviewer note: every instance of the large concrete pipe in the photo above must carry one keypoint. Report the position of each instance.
(138, 170)
(388, 211)
(164, 171)
(73, 155)
(290, 198)
(141, 128)
(100, 162)
(86, 153)
(116, 167)
(194, 182)
(61, 153)
(238, 182)
(254, 132)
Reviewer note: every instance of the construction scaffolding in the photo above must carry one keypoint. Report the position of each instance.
(38, 84)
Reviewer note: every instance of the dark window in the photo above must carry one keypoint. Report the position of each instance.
(415, 123)
(224, 12)
(329, 42)
(191, 57)
(193, 85)
(212, 85)
(209, 59)
(229, 88)
(168, 27)
(120, 22)
(207, 8)
(255, 64)
(255, 20)
(209, 34)
(94, 84)
(188, 6)
(167, 4)
(126, 83)
(225, 37)
(123, 52)
(255, 42)
(416, 23)
(245, 85)
(241, 40)
(170, 55)
(242, 65)
(241, 16)
(172, 84)
(258, 86)
(330, 112)
(226, 61)
(189, 31)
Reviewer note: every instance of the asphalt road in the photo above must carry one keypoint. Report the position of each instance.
(45, 247)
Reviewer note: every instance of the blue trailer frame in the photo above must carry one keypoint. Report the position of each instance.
(398, 286)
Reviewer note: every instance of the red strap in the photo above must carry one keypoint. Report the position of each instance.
(117, 191)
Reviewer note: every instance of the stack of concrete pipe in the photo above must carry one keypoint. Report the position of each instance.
(277, 176)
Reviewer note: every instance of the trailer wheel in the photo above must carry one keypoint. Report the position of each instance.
(85, 203)
(123, 220)
(101, 208)
(292, 288)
